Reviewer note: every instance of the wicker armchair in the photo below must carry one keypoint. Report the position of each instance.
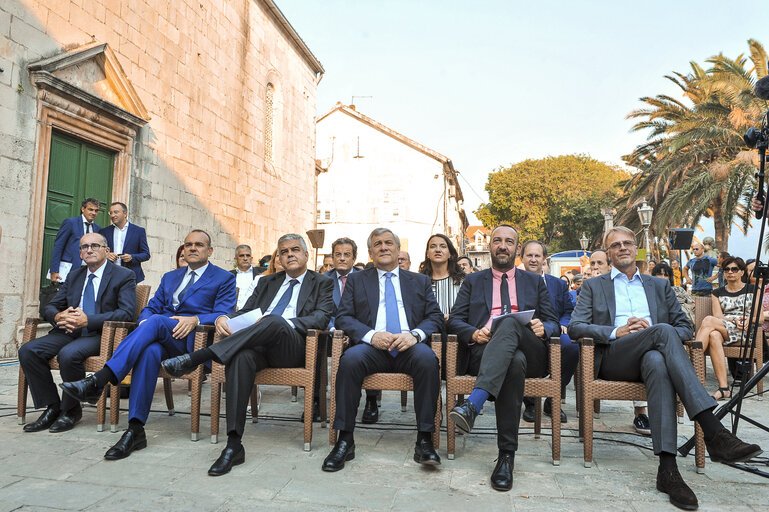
(92, 364)
(386, 381)
(592, 389)
(299, 377)
(703, 306)
(536, 387)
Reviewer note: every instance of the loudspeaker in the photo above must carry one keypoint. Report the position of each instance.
(680, 239)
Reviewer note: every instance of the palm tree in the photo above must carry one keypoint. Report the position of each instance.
(695, 162)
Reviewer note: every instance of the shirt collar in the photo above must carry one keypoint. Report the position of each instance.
(250, 269)
(615, 272)
(125, 228)
(99, 271)
(498, 275)
(300, 278)
(338, 275)
(198, 272)
(85, 221)
(395, 271)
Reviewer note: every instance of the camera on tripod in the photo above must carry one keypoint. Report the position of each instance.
(757, 138)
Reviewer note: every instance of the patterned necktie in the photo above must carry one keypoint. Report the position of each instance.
(280, 307)
(393, 323)
(344, 282)
(89, 302)
(504, 296)
(186, 288)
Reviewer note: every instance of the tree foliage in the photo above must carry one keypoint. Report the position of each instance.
(553, 199)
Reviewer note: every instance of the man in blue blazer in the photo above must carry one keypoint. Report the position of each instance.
(389, 315)
(533, 254)
(127, 241)
(502, 358)
(186, 297)
(66, 245)
(92, 294)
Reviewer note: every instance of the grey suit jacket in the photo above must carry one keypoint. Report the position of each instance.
(594, 314)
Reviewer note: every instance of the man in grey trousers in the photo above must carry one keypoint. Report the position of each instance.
(638, 328)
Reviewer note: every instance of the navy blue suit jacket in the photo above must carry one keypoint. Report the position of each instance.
(115, 298)
(359, 306)
(66, 246)
(135, 244)
(337, 293)
(559, 295)
(209, 297)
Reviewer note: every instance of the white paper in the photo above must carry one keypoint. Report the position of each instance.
(245, 320)
(522, 316)
(64, 268)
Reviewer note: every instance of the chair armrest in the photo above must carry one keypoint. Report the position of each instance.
(555, 359)
(207, 328)
(311, 349)
(203, 333)
(587, 358)
(119, 331)
(452, 348)
(437, 346)
(30, 329)
(120, 325)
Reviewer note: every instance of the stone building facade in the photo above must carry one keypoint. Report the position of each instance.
(375, 176)
(205, 111)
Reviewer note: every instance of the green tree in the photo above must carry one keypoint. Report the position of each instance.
(553, 199)
(695, 163)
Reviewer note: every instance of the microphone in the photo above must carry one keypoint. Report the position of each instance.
(762, 88)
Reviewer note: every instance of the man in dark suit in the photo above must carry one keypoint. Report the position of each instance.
(92, 294)
(127, 241)
(503, 358)
(533, 254)
(196, 294)
(66, 245)
(638, 327)
(293, 301)
(389, 314)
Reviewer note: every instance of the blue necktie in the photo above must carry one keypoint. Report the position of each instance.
(89, 302)
(186, 288)
(393, 324)
(280, 307)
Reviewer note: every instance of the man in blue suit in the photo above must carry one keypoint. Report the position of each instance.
(92, 294)
(533, 254)
(389, 314)
(502, 358)
(186, 297)
(66, 245)
(127, 242)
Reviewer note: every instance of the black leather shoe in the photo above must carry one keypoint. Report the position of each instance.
(370, 412)
(66, 421)
(726, 447)
(342, 452)
(502, 476)
(130, 441)
(424, 453)
(178, 366)
(84, 390)
(548, 410)
(464, 416)
(528, 413)
(672, 483)
(44, 421)
(229, 457)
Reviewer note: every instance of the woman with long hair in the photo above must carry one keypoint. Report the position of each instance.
(441, 266)
(683, 297)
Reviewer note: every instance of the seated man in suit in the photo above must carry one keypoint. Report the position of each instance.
(66, 245)
(92, 294)
(127, 242)
(503, 358)
(196, 294)
(389, 314)
(276, 340)
(533, 254)
(638, 327)
(244, 273)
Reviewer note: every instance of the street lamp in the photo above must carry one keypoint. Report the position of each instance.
(583, 241)
(645, 213)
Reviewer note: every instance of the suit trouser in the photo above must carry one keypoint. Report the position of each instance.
(513, 353)
(361, 360)
(141, 352)
(34, 357)
(657, 357)
(270, 343)
(569, 362)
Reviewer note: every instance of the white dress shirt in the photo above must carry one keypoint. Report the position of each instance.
(198, 274)
(629, 298)
(291, 309)
(243, 281)
(118, 241)
(96, 283)
(381, 315)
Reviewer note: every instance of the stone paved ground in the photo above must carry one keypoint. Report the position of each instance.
(45, 471)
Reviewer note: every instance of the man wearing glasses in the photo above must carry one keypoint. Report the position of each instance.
(196, 294)
(92, 294)
(638, 328)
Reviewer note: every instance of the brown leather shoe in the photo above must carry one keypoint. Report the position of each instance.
(726, 447)
(672, 483)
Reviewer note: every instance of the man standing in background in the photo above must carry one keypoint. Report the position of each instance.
(127, 242)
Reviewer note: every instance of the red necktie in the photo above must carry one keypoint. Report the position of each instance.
(344, 282)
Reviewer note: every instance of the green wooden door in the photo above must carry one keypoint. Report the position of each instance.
(76, 170)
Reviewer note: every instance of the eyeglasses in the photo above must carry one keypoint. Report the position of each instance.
(627, 244)
(732, 269)
(93, 247)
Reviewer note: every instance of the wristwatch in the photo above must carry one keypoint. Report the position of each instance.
(416, 335)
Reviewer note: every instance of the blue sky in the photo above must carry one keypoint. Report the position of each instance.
(491, 83)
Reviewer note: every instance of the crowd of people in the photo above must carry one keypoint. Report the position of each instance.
(389, 314)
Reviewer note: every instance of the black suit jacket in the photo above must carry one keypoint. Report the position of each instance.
(314, 306)
(594, 314)
(358, 308)
(115, 299)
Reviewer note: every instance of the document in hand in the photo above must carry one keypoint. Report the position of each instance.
(522, 316)
(245, 320)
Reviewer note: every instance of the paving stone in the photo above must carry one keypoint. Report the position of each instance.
(55, 494)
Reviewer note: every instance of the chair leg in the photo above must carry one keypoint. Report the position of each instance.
(437, 432)
(21, 404)
(216, 397)
(254, 404)
(555, 414)
(169, 396)
(597, 408)
(294, 391)
(101, 408)
(450, 434)
(404, 400)
(699, 448)
(307, 420)
(114, 407)
(197, 383)
(537, 417)
(587, 429)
